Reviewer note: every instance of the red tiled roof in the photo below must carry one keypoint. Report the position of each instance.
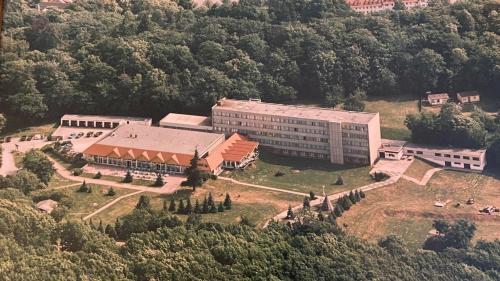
(235, 148)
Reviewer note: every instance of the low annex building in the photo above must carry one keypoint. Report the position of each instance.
(187, 122)
(372, 6)
(164, 150)
(468, 97)
(437, 99)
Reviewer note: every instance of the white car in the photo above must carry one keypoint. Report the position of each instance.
(72, 136)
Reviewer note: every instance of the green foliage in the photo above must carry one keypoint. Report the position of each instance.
(449, 127)
(307, 203)
(128, 177)
(159, 181)
(339, 181)
(289, 214)
(143, 203)
(457, 235)
(194, 177)
(227, 202)
(312, 196)
(98, 175)
(3, 121)
(111, 192)
(220, 208)
(23, 180)
(171, 206)
(36, 162)
(83, 188)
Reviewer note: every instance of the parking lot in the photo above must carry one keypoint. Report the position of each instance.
(81, 137)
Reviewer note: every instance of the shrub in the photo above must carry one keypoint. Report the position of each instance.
(128, 177)
(213, 177)
(159, 181)
(77, 172)
(205, 176)
(111, 192)
(185, 183)
(279, 174)
(83, 188)
(339, 181)
(98, 175)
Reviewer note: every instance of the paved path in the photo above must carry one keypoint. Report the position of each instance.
(63, 172)
(264, 187)
(425, 179)
(64, 186)
(111, 204)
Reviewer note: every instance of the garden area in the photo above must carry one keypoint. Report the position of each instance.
(407, 210)
(302, 175)
(256, 205)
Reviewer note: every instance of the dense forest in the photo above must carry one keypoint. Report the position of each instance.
(150, 57)
(35, 247)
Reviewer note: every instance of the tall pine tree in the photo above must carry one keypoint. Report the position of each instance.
(193, 174)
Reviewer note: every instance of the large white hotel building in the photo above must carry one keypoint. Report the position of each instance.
(343, 137)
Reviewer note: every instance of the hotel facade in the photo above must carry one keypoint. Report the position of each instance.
(341, 137)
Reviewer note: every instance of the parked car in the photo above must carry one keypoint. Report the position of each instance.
(23, 138)
(89, 134)
(97, 134)
(72, 136)
(29, 138)
(80, 135)
(7, 139)
(2, 140)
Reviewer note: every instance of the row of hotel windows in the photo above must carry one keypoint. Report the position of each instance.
(291, 144)
(304, 154)
(355, 143)
(271, 134)
(355, 151)
(272, 119)
(354, 127)
(354, 136)
(271, 127)
(446, 155)
(135, 164)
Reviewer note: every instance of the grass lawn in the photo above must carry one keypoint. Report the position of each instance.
(406, 209)
(302, 175)
(392, 115)
(18, 130)
(58, 181)
(120, 179)
(418, 169)
(85, 203)
(256, 204)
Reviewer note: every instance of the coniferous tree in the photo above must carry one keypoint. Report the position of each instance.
(205, 207)
(165, 206)
(111, 192)
(197, 208)
(289, 214)
(128, 177)
(159, 180)
(118, 227)
(346, 203)
(181, 208)
(324, 205)
(189, 208)
(352, 197)
(321, 217)
(144, 202)
(84, 187)
(171, 207)
(110, 231)
(98, 175)
(357, 196)
(100, 228)
(312, 196)
(362, 194)
(227, 202)
(210, 199)
(307, 203)
(193, 173)
(213, 208)
(337, 211)
(220, 209)
(91, 223)
(340, 180)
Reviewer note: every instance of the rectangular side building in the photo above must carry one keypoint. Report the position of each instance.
(342, 137)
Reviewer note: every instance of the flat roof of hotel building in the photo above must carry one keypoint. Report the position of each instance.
(295, 111)
(161, 139)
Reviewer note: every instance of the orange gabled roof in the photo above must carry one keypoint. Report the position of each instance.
(235, 148)
(115, 153)
(129, 155)
(144, 156)
(173, 160)
(158, 158)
